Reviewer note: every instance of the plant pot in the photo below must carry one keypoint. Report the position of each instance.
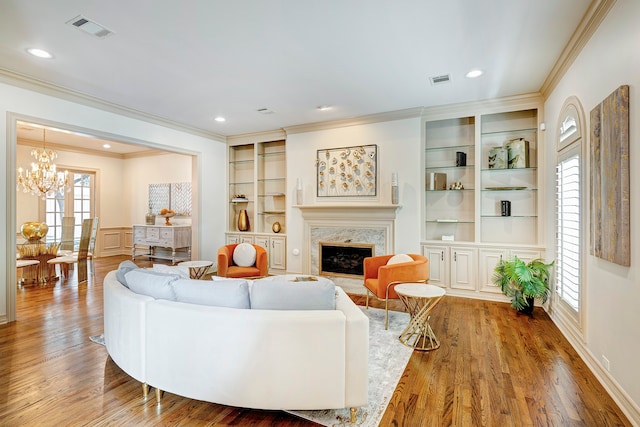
(528, 310)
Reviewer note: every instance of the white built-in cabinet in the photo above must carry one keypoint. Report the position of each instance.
(257, 184)
(276, 248)
(465, 232)
(452, 266)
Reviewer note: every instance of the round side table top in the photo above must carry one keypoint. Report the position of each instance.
(419, 290)
(196, 264)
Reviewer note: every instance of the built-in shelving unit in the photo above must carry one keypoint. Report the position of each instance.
(465, 230)
(450, 212)
(516, 185)
(258, 172)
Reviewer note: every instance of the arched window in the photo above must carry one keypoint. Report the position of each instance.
(571, 205)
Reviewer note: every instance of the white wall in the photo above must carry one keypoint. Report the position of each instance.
(142, 171)
(109, 171)
(122, 184)
(610, 59)
(398, 151)
(16, 100)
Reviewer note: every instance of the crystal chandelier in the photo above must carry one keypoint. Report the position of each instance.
(43, 179)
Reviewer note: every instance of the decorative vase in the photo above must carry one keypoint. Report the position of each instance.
(276, 227)
(34, 231)
(150, 218)
(243, 220)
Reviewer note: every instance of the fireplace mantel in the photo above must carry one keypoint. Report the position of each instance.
(350, 211)
(362, 223)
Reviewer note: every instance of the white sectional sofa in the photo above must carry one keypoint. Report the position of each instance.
(293, 359)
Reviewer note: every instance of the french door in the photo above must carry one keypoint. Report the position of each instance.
(79, 202)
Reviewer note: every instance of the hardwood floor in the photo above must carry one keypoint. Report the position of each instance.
(494, 368)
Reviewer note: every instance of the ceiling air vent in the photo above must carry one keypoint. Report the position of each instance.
(265, 111)
(90, 27)
(438, 80)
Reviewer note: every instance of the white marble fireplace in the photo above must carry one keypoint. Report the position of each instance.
(373, 224)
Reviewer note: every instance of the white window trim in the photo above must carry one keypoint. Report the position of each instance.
(576, 143)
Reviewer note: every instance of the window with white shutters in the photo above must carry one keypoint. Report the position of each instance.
(570, 198)
(568, 233)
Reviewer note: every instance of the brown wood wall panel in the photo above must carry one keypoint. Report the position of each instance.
(610, 186)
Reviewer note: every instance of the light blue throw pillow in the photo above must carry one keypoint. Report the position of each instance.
(280, 295)
(152, 283)
(224, 293)
(124, 268)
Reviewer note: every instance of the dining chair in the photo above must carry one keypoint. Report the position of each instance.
(79, 257)
(92, 244)
(68, 234)
(24, 263)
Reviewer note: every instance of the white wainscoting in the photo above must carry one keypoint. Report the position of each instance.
(114, 241)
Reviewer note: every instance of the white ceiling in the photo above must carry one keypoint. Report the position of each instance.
(190, 61)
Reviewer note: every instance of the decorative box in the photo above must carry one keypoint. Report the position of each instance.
(518, 151)
(498, 158)
(437, 181)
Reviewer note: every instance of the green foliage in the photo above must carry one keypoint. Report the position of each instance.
(519, 280)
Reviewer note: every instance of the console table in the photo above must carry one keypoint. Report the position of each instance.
(171, 242)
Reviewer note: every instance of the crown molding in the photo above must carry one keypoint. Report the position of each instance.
(487, 106)
(46, 88)
(590, 22)
(408, 113)
(251, 138)
(82, 150)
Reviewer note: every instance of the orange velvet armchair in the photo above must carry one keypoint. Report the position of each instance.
(227, 268)
(380, 278)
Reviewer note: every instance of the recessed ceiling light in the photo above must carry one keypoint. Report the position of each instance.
(324, 107)
(473, 74)
(40, 53)
(106, 146)
(220, 119)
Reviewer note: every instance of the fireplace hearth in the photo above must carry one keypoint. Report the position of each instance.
(343, 259)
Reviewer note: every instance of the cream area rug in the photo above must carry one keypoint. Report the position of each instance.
(387, 361)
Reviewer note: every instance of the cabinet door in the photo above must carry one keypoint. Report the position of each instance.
(245, 239)
(526, 255)
(263, 242)
(277, 253)
(489, 258)
(463, 268)
(232, 239)
(438, 260)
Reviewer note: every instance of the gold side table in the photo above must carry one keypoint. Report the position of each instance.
(197, 269)
(419, 300)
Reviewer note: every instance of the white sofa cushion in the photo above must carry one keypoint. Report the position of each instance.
(244, 255)
(280, 295)
(227, 293)
(124, 268)
(152, 283)
(399, 258)
(172, 269)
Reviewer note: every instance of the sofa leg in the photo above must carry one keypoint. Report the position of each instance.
(353, 412)
(145, 390)
(158, 395)
(367, 303)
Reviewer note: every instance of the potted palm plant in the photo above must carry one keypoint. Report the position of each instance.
(523, 282)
